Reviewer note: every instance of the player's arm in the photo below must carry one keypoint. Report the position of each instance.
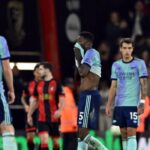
(7, 72)
(84, 69)
(78, 55)
(86, 63)
(33, 101)
(78, 52)
(33, 105)
(61, 106)
(78, 59)
(23, 101)
(32, 108)
(112, 93)
(143, 82)
(8, 76)
(143, 74)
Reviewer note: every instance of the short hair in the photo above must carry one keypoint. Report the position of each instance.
(36, 66)
(47, 65)
(126, 40)
(87, 35)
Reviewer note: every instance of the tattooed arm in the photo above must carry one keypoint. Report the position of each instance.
(143, 82)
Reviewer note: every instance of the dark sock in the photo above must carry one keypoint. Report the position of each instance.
(30, 146)
(44, 148)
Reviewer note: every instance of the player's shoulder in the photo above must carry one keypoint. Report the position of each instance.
(117, 62)
(93, 51)
(138, 59)
(32, 82)
(2, 39)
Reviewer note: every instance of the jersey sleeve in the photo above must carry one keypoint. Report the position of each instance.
(53, 86)
(35, 91)
(142, 70)
(88, 58)
(113, 73)
(4, 51)
(25, 91)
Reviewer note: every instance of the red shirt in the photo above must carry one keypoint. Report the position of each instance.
(47, 95)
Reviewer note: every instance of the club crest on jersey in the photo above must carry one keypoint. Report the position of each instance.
(45, 96)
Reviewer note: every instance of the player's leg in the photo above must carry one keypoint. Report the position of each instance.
(81, 143)
(124, 138)
(6, 128)
(70, 141)
(31, 132)
(44, 135)
(132, 142)
(83, 131)
(132, 123)
(55, 135)
(8, 137)
(90, 117)
(119, 119)
(30, 138)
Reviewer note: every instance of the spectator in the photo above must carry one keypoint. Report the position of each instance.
(140, 22)
(116, 28)
(105, 53)
(19, 84)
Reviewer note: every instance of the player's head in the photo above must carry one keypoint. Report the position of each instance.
(36, 73)
(45, 69)
(85, 39)
(126, 46)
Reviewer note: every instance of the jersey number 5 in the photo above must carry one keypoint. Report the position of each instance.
(81, 115)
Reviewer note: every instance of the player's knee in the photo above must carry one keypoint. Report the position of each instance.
(123, 133)
(83, 132)
(6, 128)
(55, 142)
(30, 136)
(131, 131)
(44, 138)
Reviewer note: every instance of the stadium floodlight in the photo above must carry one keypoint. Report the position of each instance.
(24, 65)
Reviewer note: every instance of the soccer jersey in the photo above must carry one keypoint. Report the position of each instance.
(27, 93)
(92, 58)
(47, 94)
(127, 75)
(4, 54)
(29, 90)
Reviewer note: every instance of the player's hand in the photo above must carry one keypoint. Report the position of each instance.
(77, 54)
(108, 110)
(57, 114)
(30, 120)
(11, 97)
(26, 107)
(141, 109)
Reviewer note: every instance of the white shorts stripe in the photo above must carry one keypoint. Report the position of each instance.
(86, 111)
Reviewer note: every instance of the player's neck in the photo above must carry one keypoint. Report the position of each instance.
(88, 48)
(127, 59)
(48, 77)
